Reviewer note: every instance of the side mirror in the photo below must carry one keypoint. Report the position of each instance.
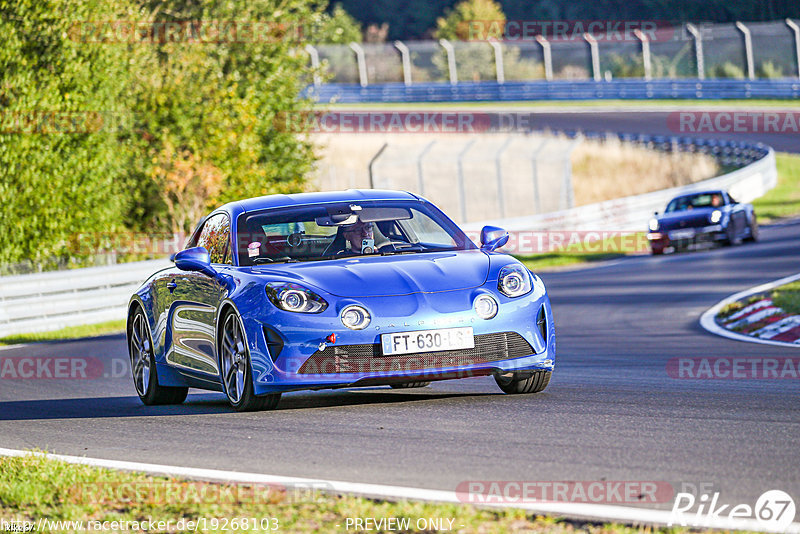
(195, 259)
(493, 238)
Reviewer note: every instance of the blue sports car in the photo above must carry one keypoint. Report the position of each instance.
(333, 290)
(702, 217)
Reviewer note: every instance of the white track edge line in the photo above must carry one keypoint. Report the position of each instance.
(581, 510)
(708, 323)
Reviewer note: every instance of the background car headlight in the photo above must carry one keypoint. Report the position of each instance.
(295, 298)
(716, 216)
(514, 281)
(485, 306)
(355, 317)
(653, 225)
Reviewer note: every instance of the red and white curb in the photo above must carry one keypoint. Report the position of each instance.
(759, 322)
(604, 512)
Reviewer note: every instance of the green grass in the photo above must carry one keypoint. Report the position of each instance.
(787, 297)
(34, 488)
(586, 252)
(739, 104)
(784, 199)
(70, 332)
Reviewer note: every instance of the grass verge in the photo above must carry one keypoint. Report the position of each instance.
(70, 332)
(787, 297)
(783, 200)
(33, 489)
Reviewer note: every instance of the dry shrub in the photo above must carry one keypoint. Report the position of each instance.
(605, 170)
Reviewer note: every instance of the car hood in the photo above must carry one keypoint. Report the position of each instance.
(383, 276)
(686, 219)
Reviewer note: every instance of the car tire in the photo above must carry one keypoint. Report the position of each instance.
(235, 371)
(523, 382)
(143, 366)
(658, 251)
(406, 385)
(731, 238)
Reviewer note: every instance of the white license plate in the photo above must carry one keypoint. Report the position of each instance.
(427, 341)
(682, 234)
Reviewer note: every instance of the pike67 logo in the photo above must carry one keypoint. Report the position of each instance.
(774, 510)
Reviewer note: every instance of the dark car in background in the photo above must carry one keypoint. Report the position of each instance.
(706, 217)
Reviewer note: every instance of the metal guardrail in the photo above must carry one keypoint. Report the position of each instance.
(488, 91)
(53, 300)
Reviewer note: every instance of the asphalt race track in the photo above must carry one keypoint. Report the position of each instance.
(611, 411)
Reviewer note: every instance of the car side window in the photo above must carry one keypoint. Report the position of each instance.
(215, 237)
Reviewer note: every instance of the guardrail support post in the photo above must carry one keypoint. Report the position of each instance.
(362, 63)
(698, 50)
(406, 57)
(548, 57)
(796, 29)
(371, 165)
(648, 72)
(312, 52)
(498, 61)
(451, 60)
(501, 200)
(420, 176)
(537, 200)
(569, 194)
(748, 50)
(595, 55)
(462, 194)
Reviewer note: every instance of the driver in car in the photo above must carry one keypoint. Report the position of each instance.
(361, 237)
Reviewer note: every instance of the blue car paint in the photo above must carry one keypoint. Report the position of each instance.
(403, 293)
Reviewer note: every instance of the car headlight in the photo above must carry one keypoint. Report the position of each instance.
(295, 298)
(653, 225)
(355, 317)
(485, 306)
(716, 216)
(514, 281)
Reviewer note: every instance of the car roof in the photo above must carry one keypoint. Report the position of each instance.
(695, 193)
(301, 199)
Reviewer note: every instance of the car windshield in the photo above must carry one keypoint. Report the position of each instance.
(689, 202)
(329, 231)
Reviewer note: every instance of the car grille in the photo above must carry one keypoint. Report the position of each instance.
(369, 358)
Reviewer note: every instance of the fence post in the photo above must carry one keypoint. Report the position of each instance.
(547, 56)
(498, 61)
(569, 194)
(312, 52)
(537, 200)
(648, 72)
(406, 57)
(748, 50)
(462, 194)
(698, 50)
(372, 163)
(362, 63)
(796, 29)
(595, 55)
(451, 60)
(501, 200)
(420, 179)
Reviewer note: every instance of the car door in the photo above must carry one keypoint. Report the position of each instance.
(196, 299)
